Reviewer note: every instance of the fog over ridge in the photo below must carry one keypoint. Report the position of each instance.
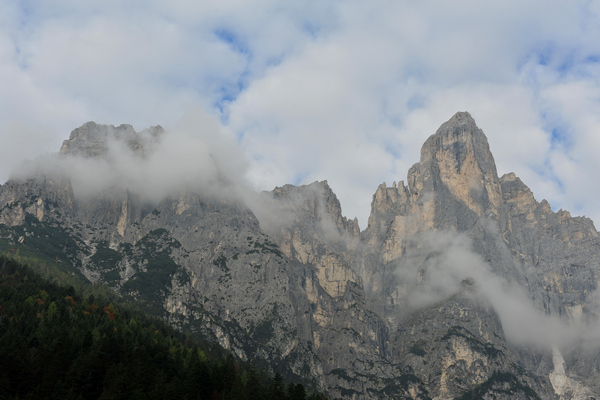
(198, 154)
(435, 264)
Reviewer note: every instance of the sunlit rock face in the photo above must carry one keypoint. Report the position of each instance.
(438, 298)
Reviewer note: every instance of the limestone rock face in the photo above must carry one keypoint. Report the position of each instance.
(408, 308)
(455, 188)
(451, 188)
(457, 347)
(92, 140)
(316, 233)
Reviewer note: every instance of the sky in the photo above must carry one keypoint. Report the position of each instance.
(345, 91)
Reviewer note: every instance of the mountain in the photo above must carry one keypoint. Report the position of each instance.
(57, 344)
(462, 285)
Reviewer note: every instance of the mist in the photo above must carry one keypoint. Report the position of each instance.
(301, 206)
(198, 154)
(435, 264)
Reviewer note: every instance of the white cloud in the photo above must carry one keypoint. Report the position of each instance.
(434, 268)
(343, 91)
(197, 154)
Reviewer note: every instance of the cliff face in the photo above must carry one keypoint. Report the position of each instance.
(455, 189)
(93, 140)
(412, 307)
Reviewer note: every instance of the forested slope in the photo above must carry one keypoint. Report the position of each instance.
(55, 344)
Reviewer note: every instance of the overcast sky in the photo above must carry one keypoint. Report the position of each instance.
(340, 90)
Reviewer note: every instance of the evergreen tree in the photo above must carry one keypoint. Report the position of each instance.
(296, 392)
(276, 389)
(55, 345)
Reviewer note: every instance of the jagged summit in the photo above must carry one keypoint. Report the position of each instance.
(92, 139)
(454, 183)
(440, 297)
(318, 202)
(457, 142)
(456, 171)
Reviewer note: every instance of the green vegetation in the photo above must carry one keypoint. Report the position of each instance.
(221, 262)
(265, 247)
(149, 287)
(62, 275)
(485, 348)
(501, 383)
(106, 257)
(56, 344)
(182, 277)
(342, 374)
(43, 241)
(418, 348)
(263, 332)
(348, 393)
(403, 386)
(107, 261)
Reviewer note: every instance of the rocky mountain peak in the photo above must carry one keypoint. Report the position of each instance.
(458, 145)
(457, 166)
(457, 273)
(93, 140)
(316, 203)
(451, 188)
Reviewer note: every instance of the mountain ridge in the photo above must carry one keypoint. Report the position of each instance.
(433, 299)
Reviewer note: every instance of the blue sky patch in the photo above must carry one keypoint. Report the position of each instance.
(299, 179)
(228, 92)
(235, 41)
(592, 59)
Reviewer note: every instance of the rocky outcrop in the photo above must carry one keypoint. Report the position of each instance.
(455, 188)
(408, 308)
(316, 233)
(93, 140)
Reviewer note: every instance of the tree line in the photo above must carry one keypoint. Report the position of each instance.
(58, 344)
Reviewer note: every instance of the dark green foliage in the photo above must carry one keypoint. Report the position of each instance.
(418, 348)
(276, 389)
(341, 373)
(501, 383)
(485, 348)
(56, 344)
(296, 392)
(182, 277)
(149, 287)
(348, 393)
(404, 386)
(106, 257)
(405, 379)
(263, 332)
(221, 262)
(46, 241)
(266, 246)
(57, 274)
(317, 396)
(106, 261)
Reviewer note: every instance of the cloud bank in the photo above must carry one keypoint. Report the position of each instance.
(198, 154)
(437, 262)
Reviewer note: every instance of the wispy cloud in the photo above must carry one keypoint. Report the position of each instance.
(343, 91)
(437, 263)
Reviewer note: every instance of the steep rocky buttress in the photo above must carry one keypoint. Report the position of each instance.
(411, 307)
